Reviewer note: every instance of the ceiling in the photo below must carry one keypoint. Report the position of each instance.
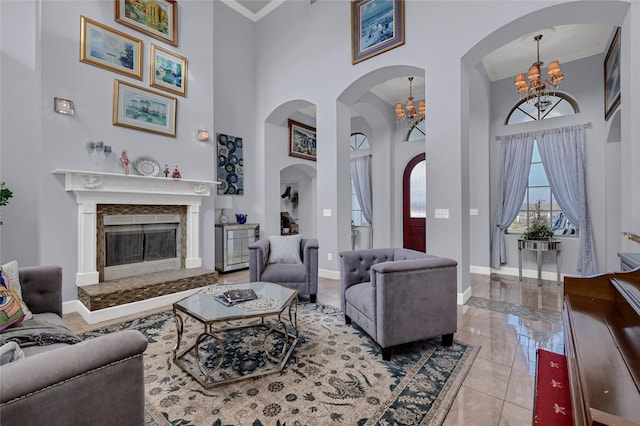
(563, 43)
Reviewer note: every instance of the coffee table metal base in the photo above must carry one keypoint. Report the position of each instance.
(285, 326)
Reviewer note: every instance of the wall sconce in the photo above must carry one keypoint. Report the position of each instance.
(99, 147)
(203, 135)
(63, 106)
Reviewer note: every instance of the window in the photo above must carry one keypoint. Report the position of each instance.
(551, 106)
(416, 132)
(358, 141)
(539, 194)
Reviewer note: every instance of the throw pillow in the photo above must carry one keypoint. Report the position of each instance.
(10, 352)
(284, 249)
(9, 274)
(10, 311)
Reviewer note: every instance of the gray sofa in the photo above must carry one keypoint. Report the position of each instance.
(95, 382)
(299, 276)
(399, 295)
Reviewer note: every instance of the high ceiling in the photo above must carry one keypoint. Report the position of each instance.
(563, 43)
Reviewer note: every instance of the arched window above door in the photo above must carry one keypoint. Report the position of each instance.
(416, 132)
(556, 105)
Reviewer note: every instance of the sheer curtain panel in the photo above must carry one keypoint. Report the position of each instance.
(361, 175)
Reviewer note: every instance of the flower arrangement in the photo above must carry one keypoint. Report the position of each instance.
(539, 227)
(5, 194)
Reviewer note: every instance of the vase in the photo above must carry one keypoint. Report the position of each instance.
(223, 218)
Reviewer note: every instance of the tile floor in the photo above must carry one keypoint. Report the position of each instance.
(508, 319)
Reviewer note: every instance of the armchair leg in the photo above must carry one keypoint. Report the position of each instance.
(386, 354)
(313, 298)
(347, 319)
(447, 339)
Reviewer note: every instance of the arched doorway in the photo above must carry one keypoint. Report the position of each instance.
(414, 204)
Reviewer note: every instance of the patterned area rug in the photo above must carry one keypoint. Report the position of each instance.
(335, 375)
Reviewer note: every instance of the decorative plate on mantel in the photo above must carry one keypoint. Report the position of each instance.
(147, 166)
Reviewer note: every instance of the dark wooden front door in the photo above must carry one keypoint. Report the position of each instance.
(414, 210)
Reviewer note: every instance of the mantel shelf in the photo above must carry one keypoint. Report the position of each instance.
(91, 181)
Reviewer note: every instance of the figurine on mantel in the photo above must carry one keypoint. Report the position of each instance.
(125, 162)
(176, 173)
(166, 170)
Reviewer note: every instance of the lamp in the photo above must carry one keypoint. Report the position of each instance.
(63, 106)
(408, 113)
(203, 135)
(536, 89)
(223, 202)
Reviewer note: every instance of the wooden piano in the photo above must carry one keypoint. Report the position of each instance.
(601, 319)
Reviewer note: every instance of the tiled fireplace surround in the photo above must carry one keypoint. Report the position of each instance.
(98, 194)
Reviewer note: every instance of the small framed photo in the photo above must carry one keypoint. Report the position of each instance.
(139, 108)
(110, 49)
(376, 26)
(168, 71)
(302, 141)
(157, 18)
(612, 77)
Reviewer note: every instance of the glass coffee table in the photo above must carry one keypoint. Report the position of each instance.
(271, 318)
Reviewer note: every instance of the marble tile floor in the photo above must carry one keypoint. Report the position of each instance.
(507, 318)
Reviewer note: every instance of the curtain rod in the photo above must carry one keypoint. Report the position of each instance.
(585, 125)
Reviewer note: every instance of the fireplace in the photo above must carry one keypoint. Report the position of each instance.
(140, 244)
(127, 198)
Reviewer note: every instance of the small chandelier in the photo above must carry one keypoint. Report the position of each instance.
(537, 89)
(408, 114)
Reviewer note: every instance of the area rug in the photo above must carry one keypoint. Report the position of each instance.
(335, 375)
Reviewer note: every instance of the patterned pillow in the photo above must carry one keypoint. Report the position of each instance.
(10, 310)
(284, 249)
(9, 273)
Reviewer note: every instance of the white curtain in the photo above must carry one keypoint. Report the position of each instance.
(562, 154)
(361, 175)
(515, 162)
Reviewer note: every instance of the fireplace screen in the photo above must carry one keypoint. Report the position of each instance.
(127, 244)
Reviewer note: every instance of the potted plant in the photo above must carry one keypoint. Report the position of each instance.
(5, 194)
(539, 227)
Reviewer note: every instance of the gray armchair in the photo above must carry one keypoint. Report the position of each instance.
(399, 295)
(300, 276)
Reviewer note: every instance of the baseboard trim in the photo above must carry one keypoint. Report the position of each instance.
(328, 273)
(464, 296)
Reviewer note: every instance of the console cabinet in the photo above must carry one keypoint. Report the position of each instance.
(232, 245)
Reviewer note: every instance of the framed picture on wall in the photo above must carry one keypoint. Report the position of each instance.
(168, 71)
(138, 108)
(302, 141)
(376, 26)
(612, 76)
(110, 49)
(157, 18)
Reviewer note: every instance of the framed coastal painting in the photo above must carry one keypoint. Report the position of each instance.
(302, 141)
(110, 49)
(168, 71)
(142, 109)
(157, 18)
(612, 76)
(376, 26)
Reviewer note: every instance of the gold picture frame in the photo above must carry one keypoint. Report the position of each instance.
(110, 49)
(302, 141)
(612, 76)
(156, 18)
(376, 26)
(168, 71)
(143, 109)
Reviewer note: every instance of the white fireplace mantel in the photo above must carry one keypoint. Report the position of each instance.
(93, 188)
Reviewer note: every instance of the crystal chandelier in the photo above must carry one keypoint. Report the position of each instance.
(536, 90)
(408, 114)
